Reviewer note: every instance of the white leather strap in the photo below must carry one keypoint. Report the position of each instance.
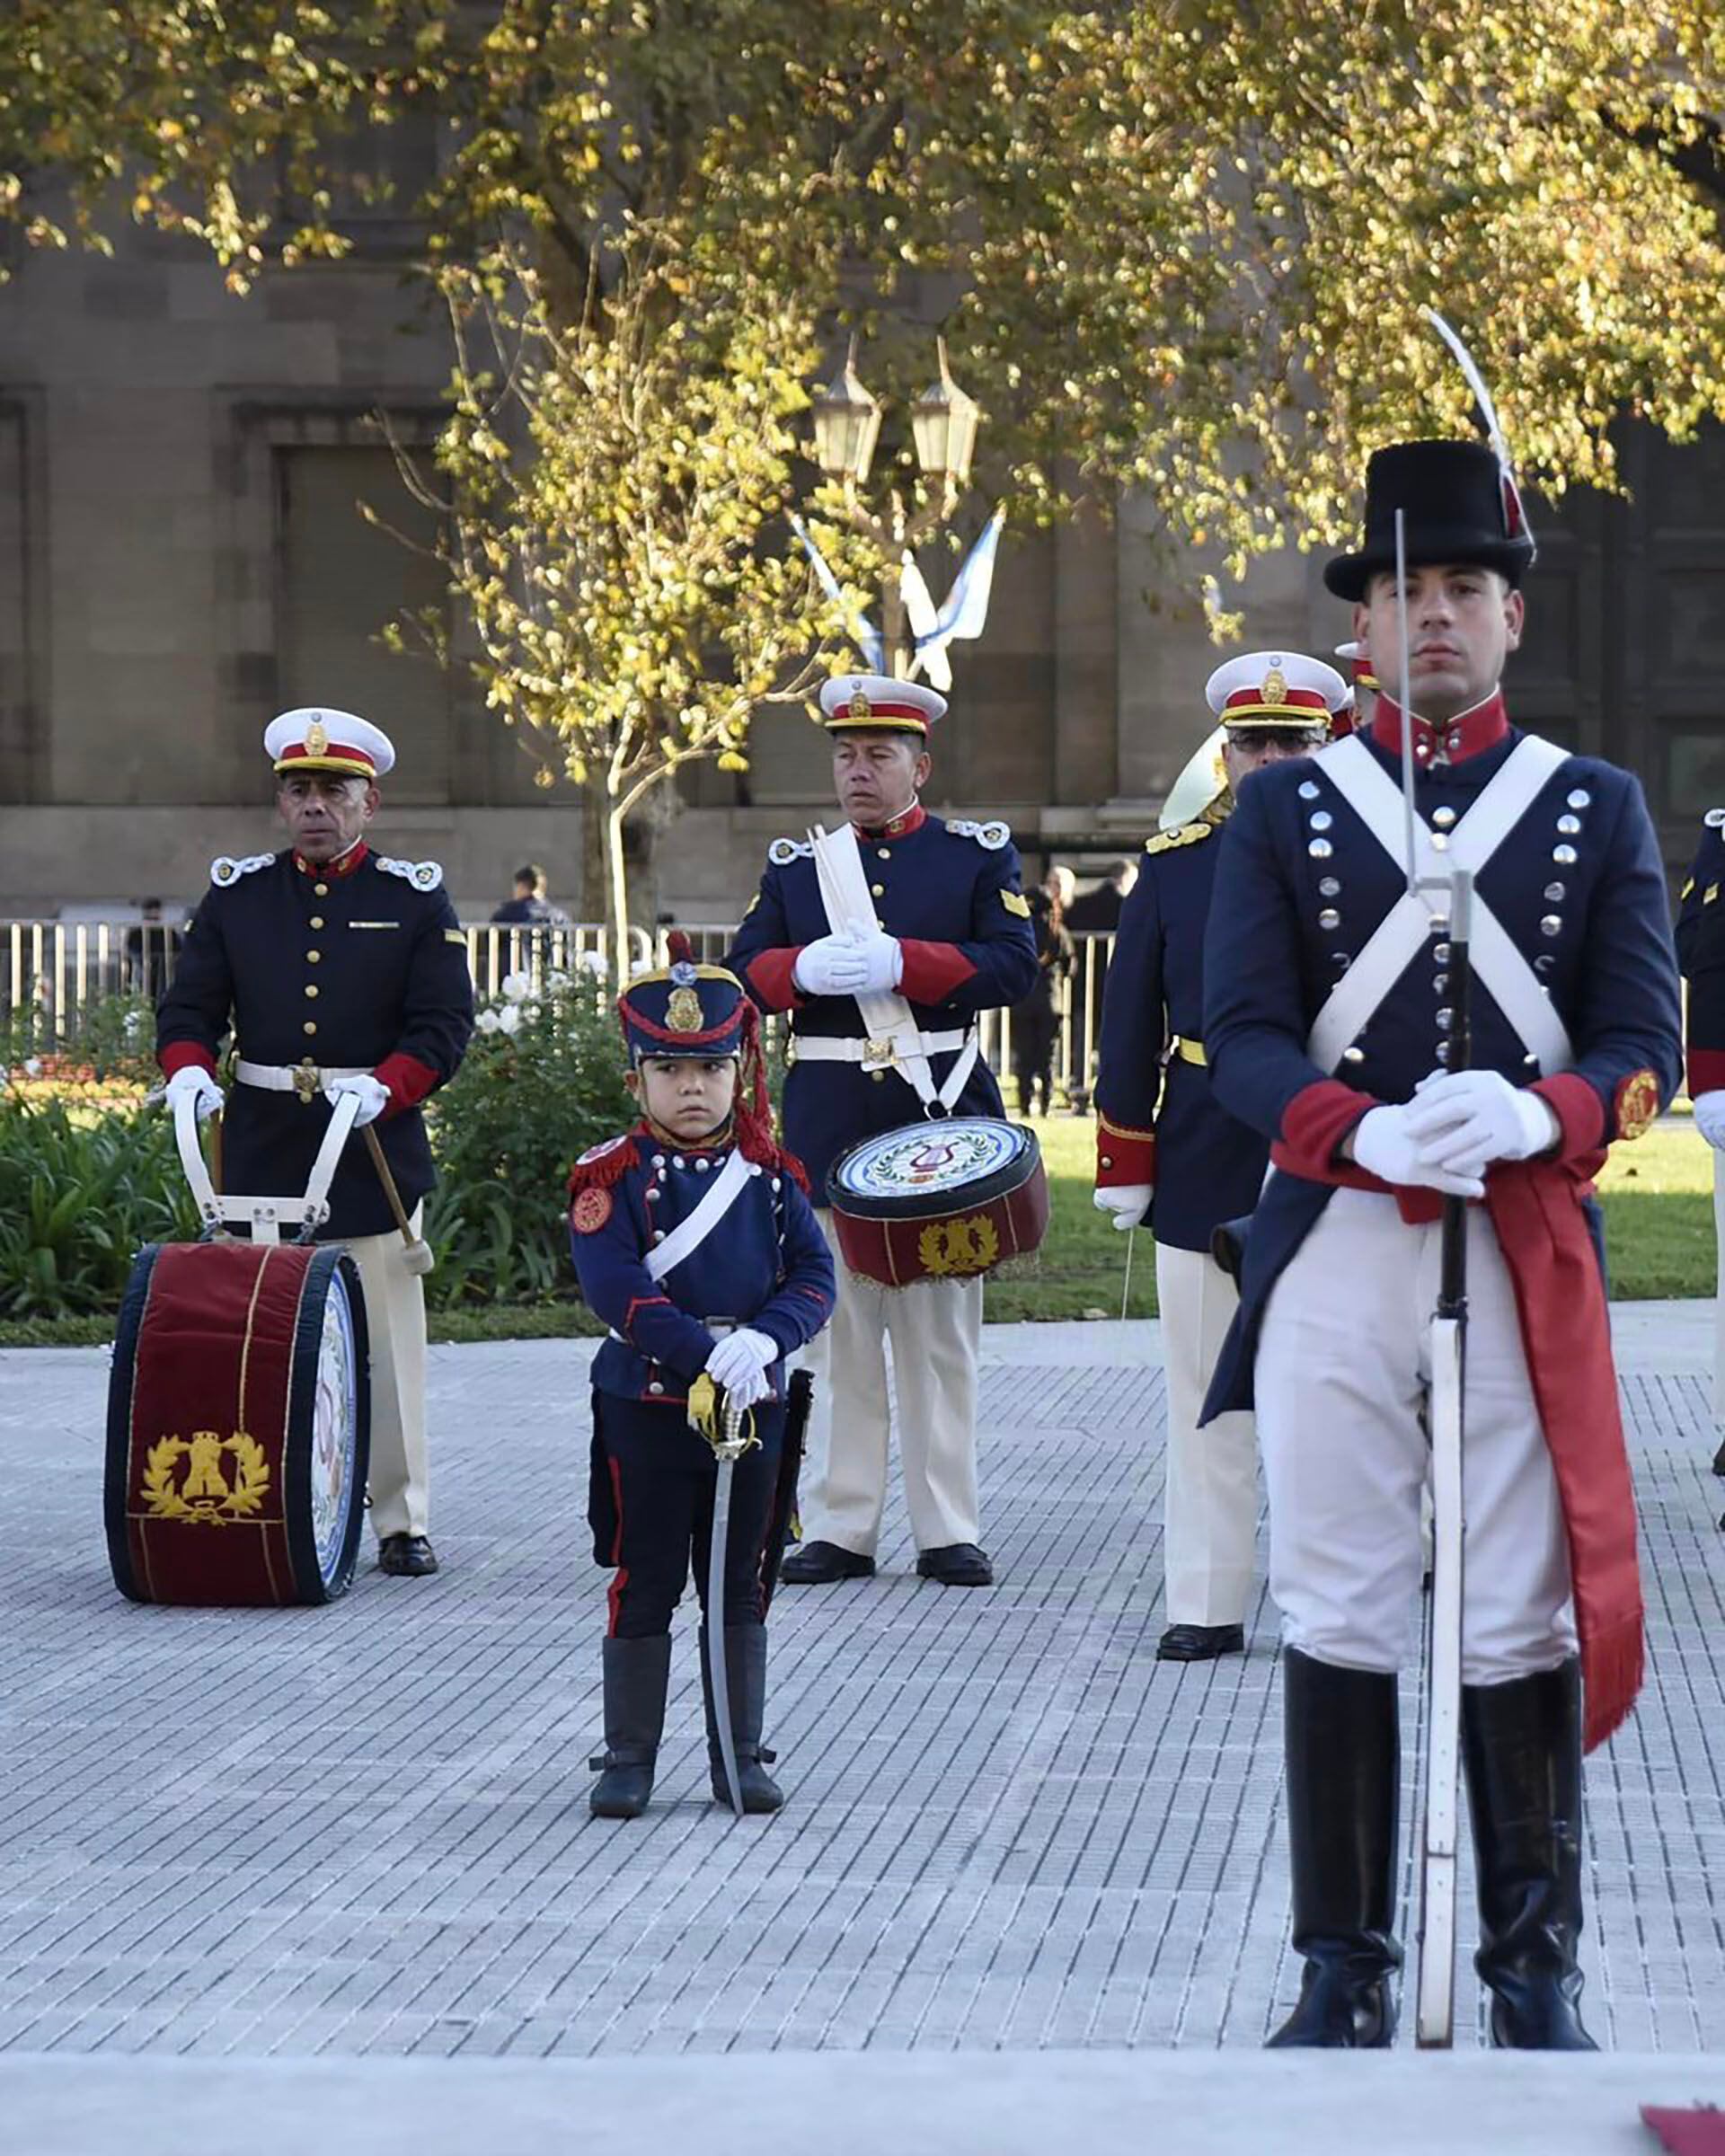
(885, 1014)
(1500, 968)
(689, 1235)
(286, 1077)
(850, 1048)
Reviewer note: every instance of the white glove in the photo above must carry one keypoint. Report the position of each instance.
(195, 1082)
(884, 957)
(1386, 1148)
(830, 966)
(1709, 1117)
(374, 1095)
(740, 1362)
(1127, 1202)
(1466, 1119)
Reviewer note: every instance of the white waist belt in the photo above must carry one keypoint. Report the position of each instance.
(293, 1077)
(877, 1052)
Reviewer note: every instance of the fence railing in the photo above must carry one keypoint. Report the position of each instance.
(54, 973)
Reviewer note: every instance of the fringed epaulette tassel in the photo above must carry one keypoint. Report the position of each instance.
(602, 1166)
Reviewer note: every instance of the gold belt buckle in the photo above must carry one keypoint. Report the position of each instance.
(880, 1052)
(308, 1081)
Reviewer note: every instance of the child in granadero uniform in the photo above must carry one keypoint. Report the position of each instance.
(695, 1242)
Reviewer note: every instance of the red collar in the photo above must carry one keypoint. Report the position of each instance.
(901, 827)
(332, 872)
(1462, 737)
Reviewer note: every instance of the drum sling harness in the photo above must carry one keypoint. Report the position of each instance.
(894, 1040)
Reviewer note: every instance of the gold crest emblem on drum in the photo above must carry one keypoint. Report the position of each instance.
(970, 1244)
(225, 1478)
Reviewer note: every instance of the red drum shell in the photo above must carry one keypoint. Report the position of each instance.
(944, 1236)
(210, 1413)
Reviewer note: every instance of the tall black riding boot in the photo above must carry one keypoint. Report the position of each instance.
(1344, 1775)
(637, 1672)
(1521, 1744)
(745, 1682)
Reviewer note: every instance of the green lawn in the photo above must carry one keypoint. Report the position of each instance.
(1657, 1196)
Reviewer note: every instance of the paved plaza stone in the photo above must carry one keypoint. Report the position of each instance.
(360, 1833)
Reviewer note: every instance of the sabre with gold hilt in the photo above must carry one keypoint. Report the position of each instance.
(731, 1431)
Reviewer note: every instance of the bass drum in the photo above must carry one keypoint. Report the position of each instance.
(239, 1415)
(946, 1198)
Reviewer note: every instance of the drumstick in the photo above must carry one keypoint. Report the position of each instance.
(419, 1254)
(1126, 1284)
(215, 1152)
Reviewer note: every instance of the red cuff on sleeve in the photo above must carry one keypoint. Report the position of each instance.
(1581, 1114)
(1124, 1156)
(185, 1056)
(1313, 1124)
(408, 1079)
(769, 976)
(1705, 1069)
(933, 971)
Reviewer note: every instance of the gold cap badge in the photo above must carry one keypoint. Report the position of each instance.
(317, 737)
(1275, 686)
(682, 1013)
(860, 706)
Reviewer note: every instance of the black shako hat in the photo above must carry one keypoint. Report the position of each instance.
(1458, 503)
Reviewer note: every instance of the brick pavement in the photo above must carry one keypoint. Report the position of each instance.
(362, 1831)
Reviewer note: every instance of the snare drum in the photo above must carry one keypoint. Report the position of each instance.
(238, 1424)
(946, 1198)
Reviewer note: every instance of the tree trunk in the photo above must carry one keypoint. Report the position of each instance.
(619, 887)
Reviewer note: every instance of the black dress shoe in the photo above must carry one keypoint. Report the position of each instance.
(816, 1564)
(1200, 1642)
(407, 1556)
(958, 1565)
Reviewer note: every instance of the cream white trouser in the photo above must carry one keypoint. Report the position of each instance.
(395, 1320)
(1210, 1519)
(935, 1330)
(1342, 1367)
(1719, 1298)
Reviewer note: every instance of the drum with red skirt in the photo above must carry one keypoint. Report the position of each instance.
(946, 1198)
(238, 1424)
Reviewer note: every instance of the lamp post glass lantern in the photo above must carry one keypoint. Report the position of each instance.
(847, 424)
(943, 423)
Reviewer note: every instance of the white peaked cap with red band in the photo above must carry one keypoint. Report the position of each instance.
(315, 738)
(1275, 688)
(877, 702)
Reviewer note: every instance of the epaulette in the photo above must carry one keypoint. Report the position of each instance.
(224, 870)
(1713, 818)
(423, 875)
(993, 834)
(785, 850)
(1184, 835)
(602, 1165)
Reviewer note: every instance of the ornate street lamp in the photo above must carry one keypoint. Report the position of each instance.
(847, 422)
(944, 422)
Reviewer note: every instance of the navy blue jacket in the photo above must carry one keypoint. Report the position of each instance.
(1287, 920)
(362, 971)
(1170, 1131)
(950, 893)
(765, 1264)
(1701, 951)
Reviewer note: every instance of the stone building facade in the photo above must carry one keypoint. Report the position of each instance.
(182, 554)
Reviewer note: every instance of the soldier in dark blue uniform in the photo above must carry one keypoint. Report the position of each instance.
(884, 1002)
(1328, 1016)
(1701, 952)
(338, 970)
(1167, 1154)
(695, 1243)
